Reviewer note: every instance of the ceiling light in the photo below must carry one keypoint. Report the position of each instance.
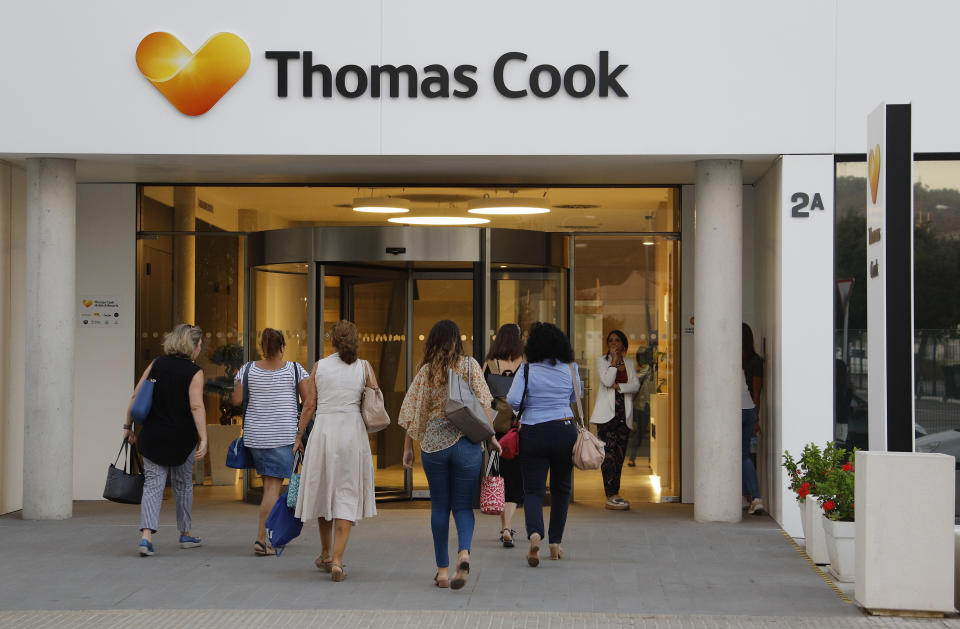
(438, 220)
(381, 205)
(648, 242)
(507, 207)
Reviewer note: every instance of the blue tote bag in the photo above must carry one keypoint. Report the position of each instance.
(140, 409)
(282, 525)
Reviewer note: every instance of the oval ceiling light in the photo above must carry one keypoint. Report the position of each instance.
(438, 220)
(507, 207)
(381, 205)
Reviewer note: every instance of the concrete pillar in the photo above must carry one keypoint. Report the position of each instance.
(718, 377)
(184, 254)
(50, 330)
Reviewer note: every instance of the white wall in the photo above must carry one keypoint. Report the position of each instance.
(13, 209)
(793, 284)
(104, 361)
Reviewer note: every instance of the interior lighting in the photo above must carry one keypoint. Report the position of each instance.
(381, 205)
(648, 242)
(439, 220)
(507, 207)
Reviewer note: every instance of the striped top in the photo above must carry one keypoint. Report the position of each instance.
(272, 415)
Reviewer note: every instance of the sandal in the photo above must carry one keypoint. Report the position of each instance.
(533, 555)
(460, 576)
(506, 536)
(337, 571)
(556, 552)
(323, 562)
(262, 550)
(440, 583)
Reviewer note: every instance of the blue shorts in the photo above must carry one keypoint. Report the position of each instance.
(275, 462)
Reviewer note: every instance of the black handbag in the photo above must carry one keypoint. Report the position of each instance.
(125, 485)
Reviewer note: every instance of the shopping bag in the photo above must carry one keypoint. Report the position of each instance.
(492, 492)
(293, 487)
(282, 525)
(125, 485)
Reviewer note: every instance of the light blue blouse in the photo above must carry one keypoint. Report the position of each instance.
(549, 392)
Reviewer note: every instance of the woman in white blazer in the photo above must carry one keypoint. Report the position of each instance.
(613, 412)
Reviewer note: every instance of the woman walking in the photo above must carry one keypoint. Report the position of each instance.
(336, 480)
(451, 462)
(505, 356)
(544, 388)
(750, 419)
(174, 434)
(274, 388)
(613, 413)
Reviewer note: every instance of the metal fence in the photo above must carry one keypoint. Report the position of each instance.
(936, 374)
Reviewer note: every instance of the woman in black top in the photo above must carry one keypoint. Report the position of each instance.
(174, 434)
(505, 356)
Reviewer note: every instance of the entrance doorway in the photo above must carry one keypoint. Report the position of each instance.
(305, 257)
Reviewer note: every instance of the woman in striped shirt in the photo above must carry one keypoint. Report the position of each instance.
(270, 420)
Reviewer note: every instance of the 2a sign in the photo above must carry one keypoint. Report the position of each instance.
(803, 204)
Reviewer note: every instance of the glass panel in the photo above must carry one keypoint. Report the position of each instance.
(524, 297)
(936, 251)
(850, 315)
(433, 300)
(196, 279)
(279, 301)
(628, 283)
(380, 312)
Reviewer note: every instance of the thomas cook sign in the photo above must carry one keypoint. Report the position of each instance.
(194, 82)
(438, 81)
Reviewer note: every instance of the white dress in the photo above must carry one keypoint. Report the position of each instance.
(336, 480)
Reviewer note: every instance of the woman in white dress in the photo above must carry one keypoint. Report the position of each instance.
(336, 480)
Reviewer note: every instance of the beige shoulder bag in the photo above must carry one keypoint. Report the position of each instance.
(374, 414)
(588, 451)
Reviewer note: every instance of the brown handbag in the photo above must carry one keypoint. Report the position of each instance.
(588, 451)
(375, 416)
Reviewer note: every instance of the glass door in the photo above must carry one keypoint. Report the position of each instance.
(375, 299)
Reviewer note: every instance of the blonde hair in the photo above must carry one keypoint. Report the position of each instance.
(345, 340)
(182, 340)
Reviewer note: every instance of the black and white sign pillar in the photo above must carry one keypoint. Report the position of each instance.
(890, 279)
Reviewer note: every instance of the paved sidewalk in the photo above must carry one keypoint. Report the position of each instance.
(389, 619)
(652, 560)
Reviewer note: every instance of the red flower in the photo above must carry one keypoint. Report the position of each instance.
(829, 505)
(803, 492)
(848, 467)
(806, 486)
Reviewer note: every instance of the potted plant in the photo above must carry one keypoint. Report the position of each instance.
(836, 498)
(806, 476)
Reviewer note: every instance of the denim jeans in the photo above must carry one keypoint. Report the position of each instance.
(547, 447)
(750, 485)
(452, 475)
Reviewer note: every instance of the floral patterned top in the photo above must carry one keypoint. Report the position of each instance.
(422, 413)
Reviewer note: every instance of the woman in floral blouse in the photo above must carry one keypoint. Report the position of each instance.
(451, 462)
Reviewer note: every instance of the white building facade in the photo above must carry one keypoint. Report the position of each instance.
(738, 108)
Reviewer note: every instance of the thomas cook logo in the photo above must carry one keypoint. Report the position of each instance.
(193, 82)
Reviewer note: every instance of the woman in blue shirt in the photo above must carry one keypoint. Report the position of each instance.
(544, 388)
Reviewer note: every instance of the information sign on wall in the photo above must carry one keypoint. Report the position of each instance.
(99, 312)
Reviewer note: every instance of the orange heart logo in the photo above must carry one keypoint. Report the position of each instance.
(873, 167)
(87, 303)
(193, 82)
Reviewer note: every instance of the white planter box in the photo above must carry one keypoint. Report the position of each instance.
(841, 548)
(905, 531)
(803, 519)
(814, 542)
